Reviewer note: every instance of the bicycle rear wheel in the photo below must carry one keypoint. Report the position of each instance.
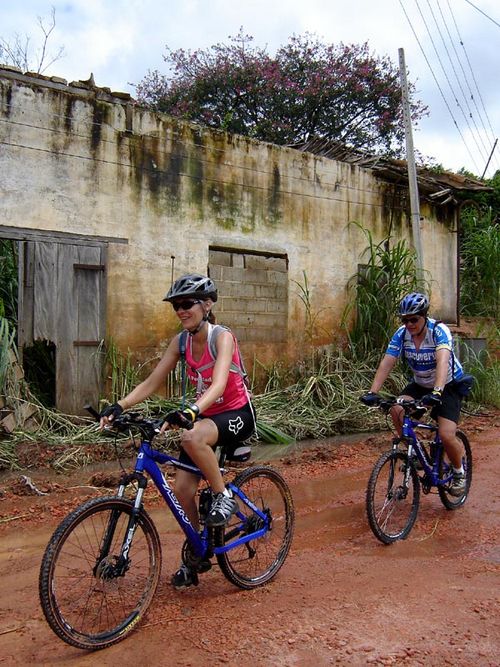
(391, 504)
(449, 501)
(256, 562)
(89, 597)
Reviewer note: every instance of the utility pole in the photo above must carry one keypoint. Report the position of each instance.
(412, 170)
(489, 159)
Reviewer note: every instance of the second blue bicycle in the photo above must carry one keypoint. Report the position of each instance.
(393, 492)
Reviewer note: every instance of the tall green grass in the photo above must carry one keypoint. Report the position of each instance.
(480, 262)
(7, 337)
(486, 370)
(9, 281)
(387, 273)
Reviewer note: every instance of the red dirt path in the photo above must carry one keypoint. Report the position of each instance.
(342, 598)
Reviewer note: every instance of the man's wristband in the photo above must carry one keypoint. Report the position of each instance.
(193, 410)
(437, 390)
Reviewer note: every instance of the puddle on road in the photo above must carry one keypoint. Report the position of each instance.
(332, 511)
(261, 453)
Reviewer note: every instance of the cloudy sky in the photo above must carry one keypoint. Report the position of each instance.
(452, 50)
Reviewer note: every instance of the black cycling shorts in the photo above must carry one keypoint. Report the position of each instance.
(451, 400)
(234, 426)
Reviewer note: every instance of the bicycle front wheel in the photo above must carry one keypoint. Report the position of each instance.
(445, 470)
(256, 562)
(391, 502)
(91, 593)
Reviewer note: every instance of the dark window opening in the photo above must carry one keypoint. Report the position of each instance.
(39, 365)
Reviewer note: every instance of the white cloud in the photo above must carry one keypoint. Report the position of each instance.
(119, 40)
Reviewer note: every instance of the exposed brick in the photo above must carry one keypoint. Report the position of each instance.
(278, 277)
(215, 272)
(246, 304)
(262, 262)
(269, 291)
(242, 333)
(239, 289)
(219, 257)
(238, 260)
(277, 306)
(249, 275)
(241, 319)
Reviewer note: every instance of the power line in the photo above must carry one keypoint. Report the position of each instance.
(483, 13)
(156, 171)
(477, 130)
(473, 76)
(178, 138)
(437, 82)
(471, 92)
(470, 66)
(448, 81)
(480, 137)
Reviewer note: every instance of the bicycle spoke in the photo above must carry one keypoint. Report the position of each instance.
(391, 500)
(257, 561)
(88, 598)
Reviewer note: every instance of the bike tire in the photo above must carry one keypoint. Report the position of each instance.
(257, 562)
(449, 501)
(391, 510)
(85, 604)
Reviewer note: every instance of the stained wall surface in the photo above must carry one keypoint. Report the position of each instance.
(82, 161)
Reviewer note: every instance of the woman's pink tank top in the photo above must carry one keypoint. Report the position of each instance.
(200, 374)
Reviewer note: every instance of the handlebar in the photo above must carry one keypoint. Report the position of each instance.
(131, 420)
(408, 405)
(134, 420)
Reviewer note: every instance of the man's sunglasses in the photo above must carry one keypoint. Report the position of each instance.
(185, 305)
(410, 320)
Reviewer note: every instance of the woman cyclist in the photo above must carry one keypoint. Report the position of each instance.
(427, 346)
(222, 412)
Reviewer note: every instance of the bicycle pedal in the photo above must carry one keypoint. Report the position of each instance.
(203, 566)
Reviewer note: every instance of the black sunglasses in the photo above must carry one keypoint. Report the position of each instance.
(185, 305)
(410, 320)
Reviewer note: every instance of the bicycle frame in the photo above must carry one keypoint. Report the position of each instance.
(147, 461)
(102, 565)
(414, 444)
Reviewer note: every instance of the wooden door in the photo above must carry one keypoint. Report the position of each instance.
(62, 299)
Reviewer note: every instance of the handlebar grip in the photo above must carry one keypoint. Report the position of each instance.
(176, 418)
(93, 412)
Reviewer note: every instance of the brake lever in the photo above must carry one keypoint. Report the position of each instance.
(92, 411)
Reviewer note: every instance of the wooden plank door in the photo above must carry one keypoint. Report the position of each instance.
(63, 300)
(81, 326)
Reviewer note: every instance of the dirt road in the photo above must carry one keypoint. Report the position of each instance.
(342, 598)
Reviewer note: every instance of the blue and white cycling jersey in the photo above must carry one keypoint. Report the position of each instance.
(423, 361)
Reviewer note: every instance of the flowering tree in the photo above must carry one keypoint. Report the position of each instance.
(307, 90)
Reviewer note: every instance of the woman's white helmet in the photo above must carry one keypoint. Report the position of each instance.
(192, 285)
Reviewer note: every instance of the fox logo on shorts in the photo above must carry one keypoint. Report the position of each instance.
(235, 425)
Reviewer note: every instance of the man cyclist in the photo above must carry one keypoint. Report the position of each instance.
(222, 412)
(427, 346)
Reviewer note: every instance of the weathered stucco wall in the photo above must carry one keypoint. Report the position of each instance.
(85, 162)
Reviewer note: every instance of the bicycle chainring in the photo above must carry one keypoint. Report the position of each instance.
(189, 558)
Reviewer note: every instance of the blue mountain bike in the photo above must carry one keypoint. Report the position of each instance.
(102, 565)
(393, 492)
